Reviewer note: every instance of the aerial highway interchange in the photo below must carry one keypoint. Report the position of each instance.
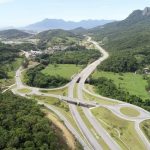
(88, 140)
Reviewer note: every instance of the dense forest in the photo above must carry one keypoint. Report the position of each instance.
(24, 126)
(26, 46)
(78, 55)
(34, 77)
(107, 88)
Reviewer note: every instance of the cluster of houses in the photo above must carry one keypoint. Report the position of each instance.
(49, 50)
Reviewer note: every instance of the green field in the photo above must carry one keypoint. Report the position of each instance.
(129, 112)
(129, 82)
(122, 131)
(63, 70)
(145, 125)
(24, 90)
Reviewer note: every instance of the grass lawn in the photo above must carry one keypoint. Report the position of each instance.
(75, 92)
(24, 90)
(130, 82)
(62, 92)
(122, 131)
(52, 101)
(64, 70)
(145, 126)
(129, 111)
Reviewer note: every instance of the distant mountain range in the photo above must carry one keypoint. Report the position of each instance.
(48, 24)
(137, 24)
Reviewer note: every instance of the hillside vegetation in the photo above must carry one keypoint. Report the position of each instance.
(130, 37)
(9, 57)
(78, 55)
(56, 37)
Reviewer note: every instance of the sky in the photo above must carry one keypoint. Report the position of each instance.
(23, 12)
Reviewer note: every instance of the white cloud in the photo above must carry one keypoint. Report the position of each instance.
(5, 1)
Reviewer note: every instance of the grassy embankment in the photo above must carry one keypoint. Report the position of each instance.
(63, 91)
(145, 126)
(121, 131)
(24, 91)
(129, 112)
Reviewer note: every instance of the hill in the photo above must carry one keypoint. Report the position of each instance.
(50, 34)
(13, 34)
(48, 24)
(130, 37)
(79, 30)
(56, 37)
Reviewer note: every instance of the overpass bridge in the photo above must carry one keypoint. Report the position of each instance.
(78, 102)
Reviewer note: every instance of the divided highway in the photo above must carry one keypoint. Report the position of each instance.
(100, 131)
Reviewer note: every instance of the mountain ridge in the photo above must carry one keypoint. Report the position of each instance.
(48, 24)
(137, 21)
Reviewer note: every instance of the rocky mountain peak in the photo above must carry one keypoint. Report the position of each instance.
(146, 11)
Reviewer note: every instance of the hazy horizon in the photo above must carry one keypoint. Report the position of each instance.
(19, 13)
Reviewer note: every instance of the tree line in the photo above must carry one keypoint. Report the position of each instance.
(120, 62)
(78, 55)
